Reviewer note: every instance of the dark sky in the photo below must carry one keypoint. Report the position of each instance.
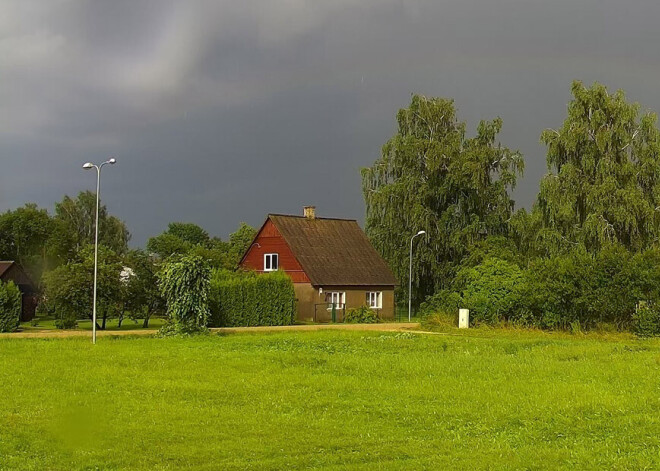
(220, 112)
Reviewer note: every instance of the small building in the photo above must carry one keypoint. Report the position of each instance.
(12, 271)
(331, 262)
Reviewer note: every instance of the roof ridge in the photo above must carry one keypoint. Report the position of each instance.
(311, 219)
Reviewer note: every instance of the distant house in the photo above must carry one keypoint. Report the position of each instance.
(331, 262)
(12, 271)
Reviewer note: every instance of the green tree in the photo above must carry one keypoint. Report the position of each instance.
(431, 176)
(604, 180)
(188, 239)
(188, 232)
(75, 218)
(142, 297)
(239, 242)
(69, 288)
(166, 245)
(24, 236)
(185, 285)
(10, 307)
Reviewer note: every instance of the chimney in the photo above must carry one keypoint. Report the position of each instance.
(309, 212)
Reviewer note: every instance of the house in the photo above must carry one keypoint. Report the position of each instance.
(12, 271)
(331, 262)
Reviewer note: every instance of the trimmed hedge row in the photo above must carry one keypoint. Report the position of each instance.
(247, 299)
(10, 307)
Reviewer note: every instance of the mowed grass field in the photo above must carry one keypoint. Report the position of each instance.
(331, 400)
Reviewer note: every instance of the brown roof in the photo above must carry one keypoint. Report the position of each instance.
(4, 266)
(333, 252)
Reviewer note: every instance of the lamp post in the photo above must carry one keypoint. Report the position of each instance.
(410, 278)
(98, 168)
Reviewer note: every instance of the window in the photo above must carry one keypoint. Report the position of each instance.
(335, 297)
(271, 262)
(375, 299)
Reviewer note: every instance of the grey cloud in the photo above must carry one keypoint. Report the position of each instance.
(223, 111)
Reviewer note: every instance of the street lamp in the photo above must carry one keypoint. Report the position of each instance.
(98, 168)
(410, 278)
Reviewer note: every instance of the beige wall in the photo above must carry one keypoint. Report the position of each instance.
(309, 297)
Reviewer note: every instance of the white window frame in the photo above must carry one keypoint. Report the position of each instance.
(375, 299)
(271, 257)
(338, 298)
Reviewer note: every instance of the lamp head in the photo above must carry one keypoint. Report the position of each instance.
(88, 165)
(421, 232)
(112, 161)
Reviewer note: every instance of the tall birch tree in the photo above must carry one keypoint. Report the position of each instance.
(603, 184)
(432, 177)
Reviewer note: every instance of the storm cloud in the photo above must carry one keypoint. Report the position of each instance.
(220, 112)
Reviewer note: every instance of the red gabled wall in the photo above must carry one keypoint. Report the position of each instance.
(269, 240)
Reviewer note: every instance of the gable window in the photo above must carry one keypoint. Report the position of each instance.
(337, 298)
(271, 262)
(375, 299)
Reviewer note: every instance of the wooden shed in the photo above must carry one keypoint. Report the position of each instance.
(12, 271)
(331, 262)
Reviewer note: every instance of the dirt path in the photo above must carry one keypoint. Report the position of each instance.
(388, 327)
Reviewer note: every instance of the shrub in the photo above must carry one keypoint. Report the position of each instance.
(361, 315)
(185, 284)
(646, 320)
(491, 290)
(444, 302)
(573, 290)
(65, 320)
(248, 299)
(10, 307)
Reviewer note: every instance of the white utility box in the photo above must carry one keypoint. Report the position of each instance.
(463, 318)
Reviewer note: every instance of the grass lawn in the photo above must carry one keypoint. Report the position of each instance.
(331, 400)
(86, 324)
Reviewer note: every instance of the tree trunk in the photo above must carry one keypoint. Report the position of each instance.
(145, 324)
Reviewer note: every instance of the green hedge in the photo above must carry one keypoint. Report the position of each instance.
(247, 299)
(10, 307)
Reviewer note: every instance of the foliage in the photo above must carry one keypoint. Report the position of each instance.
(248, 299)
(444, 302)
(605, 182)
(10, 307)
(239, 242)
(141, 294)
(646, 320)
(576, 289)
(70, 287)
(24, 236)
(184, 284)
(490, 290)
(361, 315)
(189, 239)
(75, 218)
(188, 232)
(431, 176)
(166, 245)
